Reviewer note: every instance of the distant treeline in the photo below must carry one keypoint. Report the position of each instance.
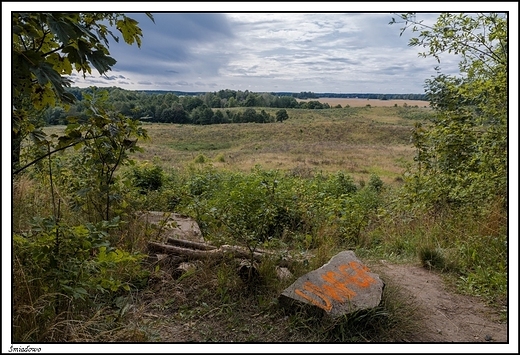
(304, 95)
(198, 108)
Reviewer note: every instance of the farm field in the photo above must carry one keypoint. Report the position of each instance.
(333, 101)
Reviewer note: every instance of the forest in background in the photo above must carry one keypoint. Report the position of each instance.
(198, 108)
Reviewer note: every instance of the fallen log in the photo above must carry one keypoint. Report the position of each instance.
(189, 244)
(236, 251)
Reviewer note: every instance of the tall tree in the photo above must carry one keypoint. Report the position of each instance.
(462, 156)
(46, 49)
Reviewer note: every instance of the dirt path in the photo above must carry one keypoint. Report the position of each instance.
(440, 315)
(447, 317)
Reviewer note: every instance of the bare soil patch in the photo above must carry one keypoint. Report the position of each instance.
(445, 316)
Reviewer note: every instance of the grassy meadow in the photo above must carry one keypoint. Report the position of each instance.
(360, 141)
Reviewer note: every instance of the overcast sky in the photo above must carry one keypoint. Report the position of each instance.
(319, 52)
(352, 51)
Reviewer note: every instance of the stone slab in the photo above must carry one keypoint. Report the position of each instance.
(344, 285)
(174, 225)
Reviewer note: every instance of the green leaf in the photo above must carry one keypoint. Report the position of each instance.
(38, 136)
(42, 97)
(130, 31)
(60, 64)
(150, 16)
(63, 30)
(74, 134)
(101, 61)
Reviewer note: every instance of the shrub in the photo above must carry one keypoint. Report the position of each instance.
(201, 159)
(62, 269)
(146, 177)
(375, 182)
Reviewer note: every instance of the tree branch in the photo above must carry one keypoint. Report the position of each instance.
(54, 50)
(54, 151)
(45, 33)
(23, 42)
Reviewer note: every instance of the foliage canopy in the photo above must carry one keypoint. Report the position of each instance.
(47, 48)
(462, 157)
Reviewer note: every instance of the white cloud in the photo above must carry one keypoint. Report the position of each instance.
(320, 52)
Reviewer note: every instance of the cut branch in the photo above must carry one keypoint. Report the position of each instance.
(190, 244)
(218, 253)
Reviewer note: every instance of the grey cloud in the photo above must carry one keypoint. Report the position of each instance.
(343, 60)
(277, 51)
(266, 76)
(271, 24)
(95, 81)
(174, 38)
(288, 51)
(194, 26)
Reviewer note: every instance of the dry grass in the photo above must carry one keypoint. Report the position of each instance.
(214, 305)
(333, 101)
(359, 142)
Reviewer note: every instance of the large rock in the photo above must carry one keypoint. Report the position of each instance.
(342, 286)
(174, 225)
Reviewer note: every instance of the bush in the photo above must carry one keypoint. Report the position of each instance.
(375, 182)
(146, 177)
(201, 159)
(62, 269)
(281, 115)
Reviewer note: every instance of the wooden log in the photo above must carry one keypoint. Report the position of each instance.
(241, 252)
(171, 249)
(236, 251)
(189, 244)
